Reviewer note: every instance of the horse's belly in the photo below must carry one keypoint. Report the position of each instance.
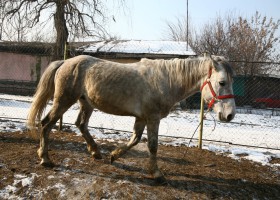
(116, 107)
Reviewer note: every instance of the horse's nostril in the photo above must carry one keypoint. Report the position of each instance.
(229, 117)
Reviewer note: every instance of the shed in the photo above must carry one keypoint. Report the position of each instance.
(133, 50)
(247, 89)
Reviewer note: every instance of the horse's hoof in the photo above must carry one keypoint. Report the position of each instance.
(112, 159)
(160, 180)
(47, 164)
(96, 155)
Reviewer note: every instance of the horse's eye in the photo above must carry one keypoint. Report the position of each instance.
(222, 83)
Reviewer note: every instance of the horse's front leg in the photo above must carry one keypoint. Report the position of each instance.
(152, 129)
(82, 123)
(139, 127)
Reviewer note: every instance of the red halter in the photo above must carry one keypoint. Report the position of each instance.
(215, 97)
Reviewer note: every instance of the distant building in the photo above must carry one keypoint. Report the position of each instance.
(134, 50)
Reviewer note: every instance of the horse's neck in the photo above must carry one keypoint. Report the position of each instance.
(188, 73)
(188, 76)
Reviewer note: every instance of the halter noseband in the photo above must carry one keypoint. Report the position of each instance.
(215, 97)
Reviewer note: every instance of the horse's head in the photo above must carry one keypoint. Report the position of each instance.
(217, 88)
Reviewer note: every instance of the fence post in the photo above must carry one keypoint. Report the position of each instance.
(201, 117)
(201, 121)
(65, 57)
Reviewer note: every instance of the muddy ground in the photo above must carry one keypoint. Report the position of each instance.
(199, 174)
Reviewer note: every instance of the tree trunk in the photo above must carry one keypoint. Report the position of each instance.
(61, 30)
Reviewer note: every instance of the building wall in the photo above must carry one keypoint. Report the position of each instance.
(23, 67)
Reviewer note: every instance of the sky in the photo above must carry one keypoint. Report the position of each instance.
(146, 19)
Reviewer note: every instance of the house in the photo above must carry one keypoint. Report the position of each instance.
(126, 51)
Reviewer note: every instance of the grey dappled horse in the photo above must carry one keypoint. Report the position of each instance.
(147, 90)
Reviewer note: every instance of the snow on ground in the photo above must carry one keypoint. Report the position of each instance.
(9, 191)
(260, 130)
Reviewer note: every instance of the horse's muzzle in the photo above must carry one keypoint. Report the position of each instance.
(226, 118)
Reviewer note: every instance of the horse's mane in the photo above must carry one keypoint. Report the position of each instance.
(181, 72)
(185, 72)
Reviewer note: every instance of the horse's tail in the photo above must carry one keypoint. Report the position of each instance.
(44, 93)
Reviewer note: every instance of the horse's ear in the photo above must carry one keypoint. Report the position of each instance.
(206, 55)
(215, 64)
(215, 60)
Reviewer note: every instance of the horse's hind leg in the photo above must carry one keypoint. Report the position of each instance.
(82, 123)
(139, 126)
(152, 129)
(47, 123)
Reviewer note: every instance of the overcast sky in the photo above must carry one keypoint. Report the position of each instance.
(146, 19)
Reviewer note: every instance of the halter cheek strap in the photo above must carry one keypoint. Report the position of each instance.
(214, 95)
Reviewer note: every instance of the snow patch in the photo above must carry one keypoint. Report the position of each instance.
(9, 192)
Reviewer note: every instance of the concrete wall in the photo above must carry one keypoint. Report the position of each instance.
(14, 66)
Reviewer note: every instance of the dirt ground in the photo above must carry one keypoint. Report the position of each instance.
(199, 174)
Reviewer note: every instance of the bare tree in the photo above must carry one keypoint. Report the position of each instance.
(177, 31)
(2, 18)
(16, 28)
(80, 16)
(253, 41)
